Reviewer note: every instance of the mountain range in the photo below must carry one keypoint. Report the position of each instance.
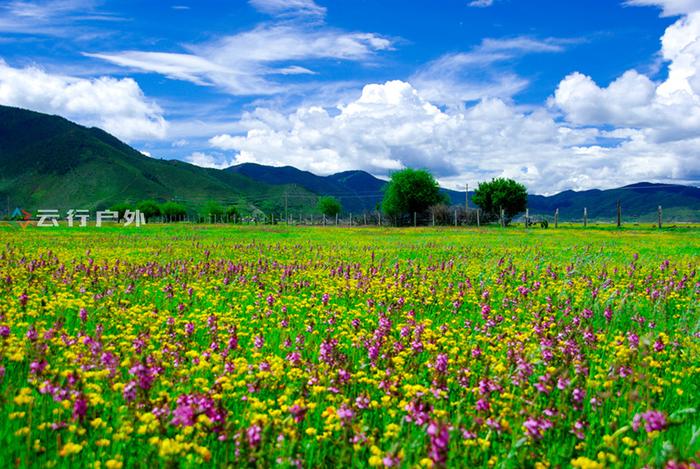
(49, 162)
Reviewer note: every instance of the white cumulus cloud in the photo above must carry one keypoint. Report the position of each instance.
(115, 105)
(664, 111)
(206, 160)
(669, 7)
(392, 125)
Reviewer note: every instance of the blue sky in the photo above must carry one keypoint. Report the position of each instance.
(559, 95)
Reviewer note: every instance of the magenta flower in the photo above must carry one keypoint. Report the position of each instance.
(439, 442)
(80, 407)
(298, 412)
(654, 420)
(345, 414)
(254, 434)
(441, 363)
(259, 341)
(418, 412)
(535, 428)
(129, 392)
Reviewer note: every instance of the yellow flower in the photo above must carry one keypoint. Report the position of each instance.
(114, 464)
(70, 448)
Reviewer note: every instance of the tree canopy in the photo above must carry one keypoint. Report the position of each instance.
(173, 210)
(212, 208)
(499, 193)
(329, 206)
(149, 208)
(411, 190)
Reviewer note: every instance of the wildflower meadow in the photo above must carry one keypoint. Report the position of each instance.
(180, 346)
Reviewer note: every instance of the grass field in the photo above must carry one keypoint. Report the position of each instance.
(171, 346)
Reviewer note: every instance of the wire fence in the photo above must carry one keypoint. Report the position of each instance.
(436, 216)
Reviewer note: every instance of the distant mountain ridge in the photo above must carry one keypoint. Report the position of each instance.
(359, 190)
(49, 162)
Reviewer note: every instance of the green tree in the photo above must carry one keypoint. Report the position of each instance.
(499, 193)
(212, 210)
(329, 206)
(149, 208)
(232, 211)
(121, 209)
(173, 210)
(411, 190)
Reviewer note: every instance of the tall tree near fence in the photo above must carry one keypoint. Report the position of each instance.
(501, 193)
(329, 206)
(411, 191)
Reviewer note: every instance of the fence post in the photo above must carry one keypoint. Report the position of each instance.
(503, 221)
(585, 217)
(556, 218)
(455, 217)
(478, 222)
(433, 213)
(527, 218)
(660, 216)
(415, 219)
(619, 214)
(379, 223)
(336, 219)
(324, 219)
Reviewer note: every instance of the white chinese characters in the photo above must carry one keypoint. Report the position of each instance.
(80, 217)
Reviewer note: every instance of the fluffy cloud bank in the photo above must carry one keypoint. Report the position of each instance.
(391, 126)
(116, 105)
(586, 135)
(666, 111)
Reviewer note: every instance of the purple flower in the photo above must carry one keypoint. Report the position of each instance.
(32, 334)
(130, 391)
(254, 435)
(144, 375)
(259, 341)
(298, 412)
(633, 340)
(441, 363)
(483, 405)
(659, 345)
(4, 331)
(418, 412)
(345, 414)
(439, 442)
(327, 351)
(535, 428)
(294, 358)
(80, 407)
(190, 406)
(37, 366)
(654, 420)
(83, 314)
